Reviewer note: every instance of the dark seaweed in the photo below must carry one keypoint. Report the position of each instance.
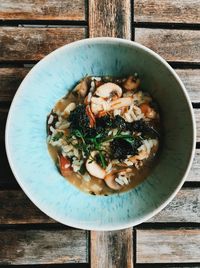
(121, 148)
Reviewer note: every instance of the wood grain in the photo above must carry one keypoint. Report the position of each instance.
(168, 11)
(194, 174)
(42, 10)
(16, 208)
(6, 176)
(197, 118)
(10, 80)
(112, 249)
(191, 80)
(43, 246)
(173, 45)
(18, 44)
(185, 207)
(113, 19)
(168, 246)
(110, 18)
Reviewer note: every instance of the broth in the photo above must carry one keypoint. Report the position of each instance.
(96, 185)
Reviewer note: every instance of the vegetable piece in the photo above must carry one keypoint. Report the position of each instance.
(109, 90)
(110, 181)
(82, 88)
(79, 119)
(148, 111)
(119, 122)
(121, 147)
(131, 83)
(93, 168)
(57, 136)
(64, 165)
(90, 115)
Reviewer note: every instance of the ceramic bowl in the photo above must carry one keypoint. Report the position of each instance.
(26, 144)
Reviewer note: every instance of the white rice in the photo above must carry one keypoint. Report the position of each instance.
(116, 112)
(89, 97)
(128, 162)
(109, 168)
(65, 125)
(67, 148)
(52, 129)
(50, 120)
(96, 78)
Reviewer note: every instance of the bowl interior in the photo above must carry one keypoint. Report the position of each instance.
(26, 134)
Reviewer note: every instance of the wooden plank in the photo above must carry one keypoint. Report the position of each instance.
(197, 117)
(110, 18)
(168, 11)
(43, 246)
(185, 207)
(191, 80)
(194, 174)
(10, 80)
(34, 43)
(21, 211)
(173, 45)
(112, 249)
(168, 246)
(42, 10)
(6, 176)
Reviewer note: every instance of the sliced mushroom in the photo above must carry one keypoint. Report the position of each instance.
(93, 168)
(121, 102)
(111, 179)
(99, 104)
(109, 90)
(131, 83)
(82, 88)
(141, 156)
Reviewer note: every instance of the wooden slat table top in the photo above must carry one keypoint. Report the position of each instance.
(29, 30)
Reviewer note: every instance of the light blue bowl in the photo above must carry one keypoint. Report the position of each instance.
(26, 145)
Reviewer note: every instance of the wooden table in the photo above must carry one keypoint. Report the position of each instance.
(29, 30)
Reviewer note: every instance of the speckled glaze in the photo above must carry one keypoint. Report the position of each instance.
(26, 134)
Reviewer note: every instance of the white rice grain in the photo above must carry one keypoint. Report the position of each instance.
(52, 129)
(50, 120)
(119, 181)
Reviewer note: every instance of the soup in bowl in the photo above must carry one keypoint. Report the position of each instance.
(171, 141)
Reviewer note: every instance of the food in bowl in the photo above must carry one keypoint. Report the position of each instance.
(104, 134)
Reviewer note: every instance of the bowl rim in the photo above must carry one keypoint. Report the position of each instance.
(102, 40)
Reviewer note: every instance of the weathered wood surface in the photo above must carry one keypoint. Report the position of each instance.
(43, 246)
(16, 208)
(197, 118)
(168, 246)
(168, 11)
(191, 80)
(185, 207)
(173, 45)
(10, 80)
(112, 249)
(42, 10)
(34, 43)
(113, 19)
(194, 174)
(110, 18)
(6, 176)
